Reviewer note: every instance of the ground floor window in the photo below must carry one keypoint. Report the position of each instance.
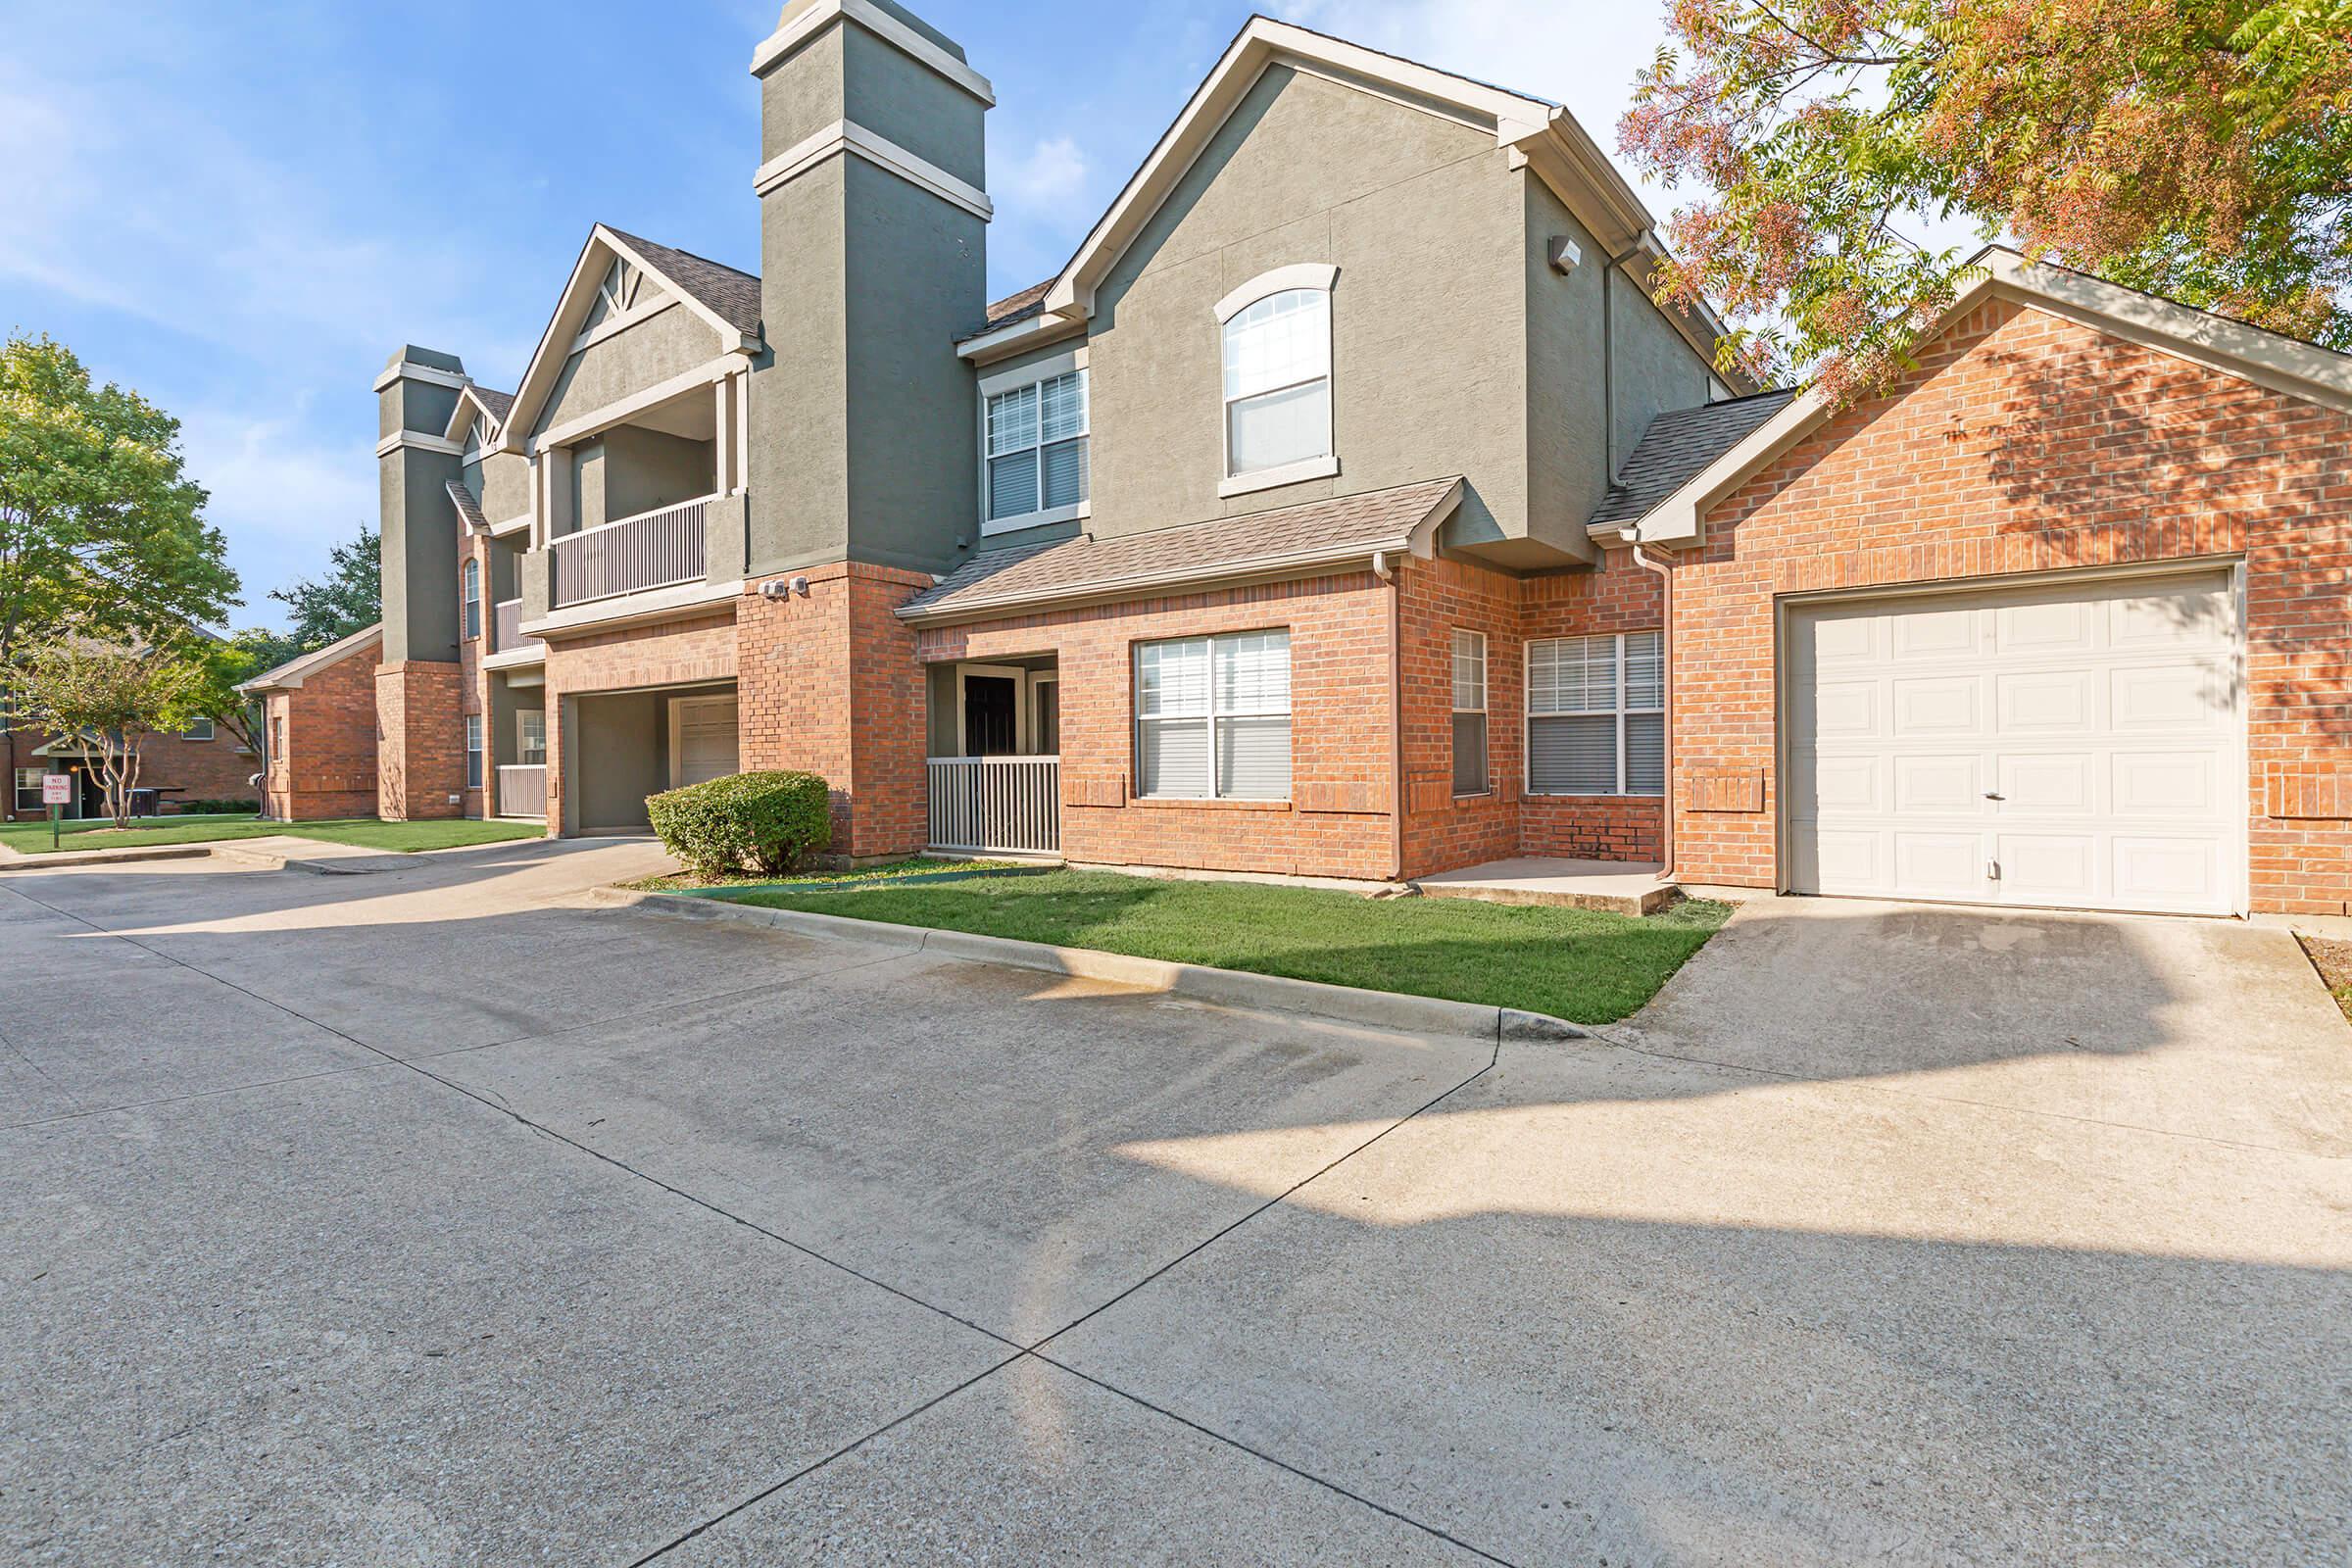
(1596, 715)
(1213, 716)
(28, 788)
(473, 751)
(1469, 712)
(530, 737)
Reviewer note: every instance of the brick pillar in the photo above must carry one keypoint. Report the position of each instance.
(420, 752)
(828, 683)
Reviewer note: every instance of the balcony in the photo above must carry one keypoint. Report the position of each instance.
(522, 790)
(651, 550)
(506, 629)
(995, 804)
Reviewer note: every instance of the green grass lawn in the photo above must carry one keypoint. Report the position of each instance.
(891, 870)
(32, 838)
(1578, 965)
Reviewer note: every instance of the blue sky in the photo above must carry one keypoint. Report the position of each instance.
(242, 208)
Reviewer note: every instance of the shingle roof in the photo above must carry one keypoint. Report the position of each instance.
(302, 665)
(1677, 444)
(500, 404)
(1318, 533)
(733, 295)
(467, 508)
(1012, 308)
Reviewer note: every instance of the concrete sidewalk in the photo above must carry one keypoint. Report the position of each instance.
(435, 1216)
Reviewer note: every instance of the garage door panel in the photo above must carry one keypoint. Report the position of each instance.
(1935, 634)
(2052, 701)
(2047, 868)
(2040, 784)
(2166, 783)
(1941, 705)
(2076, 746)
(2181, 697)
(1934, 784)
(1938, 866)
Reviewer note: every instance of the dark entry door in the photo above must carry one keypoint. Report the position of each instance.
(991, 706)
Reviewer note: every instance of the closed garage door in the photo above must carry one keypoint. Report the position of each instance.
(2074, 747)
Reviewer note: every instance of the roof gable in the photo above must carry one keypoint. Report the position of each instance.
(294, 672)
(725, 300)
(2268, 359)
(479, 403)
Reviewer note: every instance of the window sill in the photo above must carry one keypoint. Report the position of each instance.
(1478, 795)
(1242, 484)
(1604, 794)
(1209, 803)
(1037, 519)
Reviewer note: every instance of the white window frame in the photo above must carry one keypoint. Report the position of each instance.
(199, 729)
(1528, 716)
(1000, 383)
(1485, 709)
(523, 737)
(1217, 783)
(470, 597)
(17, 789)
(477, 760)
(1317, 277)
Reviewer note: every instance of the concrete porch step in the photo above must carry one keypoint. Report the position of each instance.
(1619, 887)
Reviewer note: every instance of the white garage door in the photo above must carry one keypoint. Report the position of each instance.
(704, 737)
(2074, 747)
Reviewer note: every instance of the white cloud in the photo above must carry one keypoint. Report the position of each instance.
(282, 501)
(1052, 174)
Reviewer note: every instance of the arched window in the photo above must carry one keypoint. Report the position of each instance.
(1277, 362)
(472, 598)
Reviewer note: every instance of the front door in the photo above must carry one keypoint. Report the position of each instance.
(991, 715)
(702, 733)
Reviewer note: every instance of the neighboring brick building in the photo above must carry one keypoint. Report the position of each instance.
(1341, 508)
(205, 763)
(318, 731)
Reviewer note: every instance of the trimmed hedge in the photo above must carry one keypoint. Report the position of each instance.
(768, 822)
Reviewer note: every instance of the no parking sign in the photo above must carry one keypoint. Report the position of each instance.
(57, 789)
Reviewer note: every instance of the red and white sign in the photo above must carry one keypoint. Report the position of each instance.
(57, 789)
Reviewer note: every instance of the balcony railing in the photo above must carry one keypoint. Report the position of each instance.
(506, 628)
(651, 550)
(997, 804)
(523, 790)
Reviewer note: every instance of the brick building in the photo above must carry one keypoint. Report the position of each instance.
(1347, 506)
(318, 716)
(202, 763)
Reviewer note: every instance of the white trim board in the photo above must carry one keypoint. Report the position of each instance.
(883, 26)
(847, 136)
(410, 371)
(419, 440)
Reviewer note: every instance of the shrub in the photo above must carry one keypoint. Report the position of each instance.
(768, 822)
(205, 807)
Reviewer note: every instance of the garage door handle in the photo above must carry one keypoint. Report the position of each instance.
(1991, 796)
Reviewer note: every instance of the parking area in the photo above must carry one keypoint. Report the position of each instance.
(429, 1214)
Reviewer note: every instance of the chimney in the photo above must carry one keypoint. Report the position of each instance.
(416, 393)
(873, 262)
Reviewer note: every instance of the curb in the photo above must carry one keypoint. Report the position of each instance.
(15, 862)
(1380, 1010)
(272, 860)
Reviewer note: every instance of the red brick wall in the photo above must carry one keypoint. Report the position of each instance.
(327, 766)
(204, 771)
(420, 741)
(1338, 822)
(1443, 831)
(2028, 443)
(1618, 597)
(831, 686)
(696, 649)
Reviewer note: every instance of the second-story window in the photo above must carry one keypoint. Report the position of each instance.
(473, 576)
(1035, 459)
(1276, 353)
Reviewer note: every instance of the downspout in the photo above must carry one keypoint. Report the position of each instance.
(1665, 573)
(1387, 572)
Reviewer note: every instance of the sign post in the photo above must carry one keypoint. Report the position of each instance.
(56, 790)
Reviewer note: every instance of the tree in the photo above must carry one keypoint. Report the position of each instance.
(2200, 149)
(107, 694)
(349, 597)
(101, 530)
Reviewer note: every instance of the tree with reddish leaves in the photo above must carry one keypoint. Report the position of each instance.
(2198, 149)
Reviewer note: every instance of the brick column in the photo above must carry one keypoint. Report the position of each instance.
(420, 729)
(828, 683)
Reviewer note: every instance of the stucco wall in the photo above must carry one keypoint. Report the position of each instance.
(631, 360)
(1424, 224)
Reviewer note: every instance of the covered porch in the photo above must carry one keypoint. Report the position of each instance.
(619, 747)
(993, 761)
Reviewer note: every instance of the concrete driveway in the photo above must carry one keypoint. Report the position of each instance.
(424, 1215)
